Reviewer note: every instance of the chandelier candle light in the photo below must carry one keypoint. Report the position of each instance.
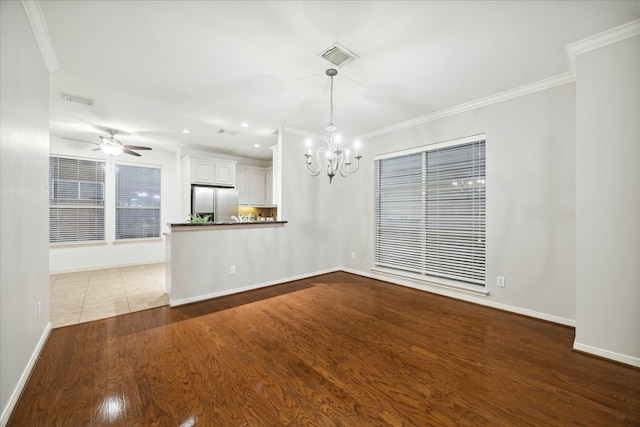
(337, 159)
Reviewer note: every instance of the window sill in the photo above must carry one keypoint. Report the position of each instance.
(437, 282)
(72, 244)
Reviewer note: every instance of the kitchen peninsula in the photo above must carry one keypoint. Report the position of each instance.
(208, 260)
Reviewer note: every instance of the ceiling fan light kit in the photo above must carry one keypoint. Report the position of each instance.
(111, 146)
(111, 150)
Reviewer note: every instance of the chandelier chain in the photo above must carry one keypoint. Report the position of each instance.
(331, 103)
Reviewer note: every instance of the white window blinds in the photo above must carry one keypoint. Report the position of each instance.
(137, 202)
(430, 212)
(76, 200)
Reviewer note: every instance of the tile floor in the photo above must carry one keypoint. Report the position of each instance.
(97, 294)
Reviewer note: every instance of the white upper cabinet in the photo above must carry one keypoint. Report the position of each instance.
(202, 171)
(212, 172)
(242, 184)
(268, 184)
(255, 186)
(225, 173)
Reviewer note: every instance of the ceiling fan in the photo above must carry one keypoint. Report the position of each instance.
(111, 146)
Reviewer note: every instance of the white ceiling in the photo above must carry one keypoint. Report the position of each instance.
(156, 67)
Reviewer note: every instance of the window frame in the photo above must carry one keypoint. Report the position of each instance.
(117, 208)
(63, 204)
(420, 273)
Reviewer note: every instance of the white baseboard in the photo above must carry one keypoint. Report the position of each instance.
(22, 382)
(607, 354)
(183, 301)
(397, 281)
(104, 267)
(465, 297)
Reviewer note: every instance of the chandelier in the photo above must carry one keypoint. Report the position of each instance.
(337, 159)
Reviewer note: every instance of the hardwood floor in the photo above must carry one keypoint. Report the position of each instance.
(336, 349)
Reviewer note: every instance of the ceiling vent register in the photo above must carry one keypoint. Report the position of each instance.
(338, 54)
(76, 98)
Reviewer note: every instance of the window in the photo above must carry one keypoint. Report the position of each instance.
(137, 202)
(430, 211)
(76, 200)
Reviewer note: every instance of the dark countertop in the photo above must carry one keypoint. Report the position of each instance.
(213, 224)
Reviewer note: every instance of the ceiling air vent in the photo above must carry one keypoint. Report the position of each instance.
(337, 54)
(76, 98)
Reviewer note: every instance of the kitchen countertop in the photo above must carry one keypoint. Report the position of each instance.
(214, 224)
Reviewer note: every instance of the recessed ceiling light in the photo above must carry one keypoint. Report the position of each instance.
(256, 145)
(185, 131)
(244, 124)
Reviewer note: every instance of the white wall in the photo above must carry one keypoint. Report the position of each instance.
(113, 254)
(608, 201)
(312, 206)
(307, 245)
(530, 199)
(24, 226)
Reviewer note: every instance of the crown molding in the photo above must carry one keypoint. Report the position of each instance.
(300, 132)
(39, 27)
(597, 41)
(482, 102)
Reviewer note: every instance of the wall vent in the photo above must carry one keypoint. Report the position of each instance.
(337, 54)
(76, 98)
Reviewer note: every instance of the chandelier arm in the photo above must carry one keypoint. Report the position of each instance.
(332, 164)
(340, 161)
(318, 161)
(346, 171)
(312, 171)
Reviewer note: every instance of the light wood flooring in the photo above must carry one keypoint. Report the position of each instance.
(333, 350)
(98, 294)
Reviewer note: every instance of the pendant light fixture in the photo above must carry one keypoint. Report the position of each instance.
(337, 159)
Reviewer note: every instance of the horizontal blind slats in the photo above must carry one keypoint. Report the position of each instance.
(76, 200)
(137, 202)
(430, 212)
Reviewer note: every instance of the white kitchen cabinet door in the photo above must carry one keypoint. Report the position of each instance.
(242, 185)
(257, 187)
(225, 173)
(202, 171)
(268, 187)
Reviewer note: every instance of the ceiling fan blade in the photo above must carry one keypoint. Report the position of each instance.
(80, 140)
(136, 147)
(133, 153)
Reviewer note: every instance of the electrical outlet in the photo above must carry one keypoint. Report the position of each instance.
(353, 255)
(501, 281)
(232, 269)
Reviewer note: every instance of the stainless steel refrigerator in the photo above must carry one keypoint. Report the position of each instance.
(220, 203)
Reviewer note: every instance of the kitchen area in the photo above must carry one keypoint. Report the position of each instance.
(227, 191)
(109, 278)
(231, 220)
